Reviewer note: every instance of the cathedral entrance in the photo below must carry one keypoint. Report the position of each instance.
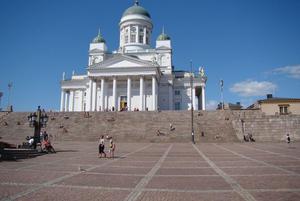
(123, 103)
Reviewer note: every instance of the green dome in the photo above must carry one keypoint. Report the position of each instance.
(136, 10)
(163, 36)
(98, 38)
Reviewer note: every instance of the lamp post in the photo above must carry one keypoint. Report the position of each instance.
(1, 94)
(9, 107)
(222, 96)
(192, 104)
(37, 120)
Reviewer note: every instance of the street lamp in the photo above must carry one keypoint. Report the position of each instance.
(222, 96)
(37, 120)
(192, 106)
(1, 94)
(9, 107)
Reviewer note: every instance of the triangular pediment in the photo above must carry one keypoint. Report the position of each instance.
(122, 61)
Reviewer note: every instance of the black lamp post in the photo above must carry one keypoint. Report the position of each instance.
(37, 120)
(192, 105)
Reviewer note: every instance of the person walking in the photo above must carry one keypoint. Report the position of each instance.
(288, 139)
(101, 147)
(112, 147)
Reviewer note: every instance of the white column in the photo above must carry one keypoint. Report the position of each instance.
(144, 39)
(137, 34)
(154, 92)
(94, 96)
(89, 96)
(115, 93)
(82, 101)
(62, 101)
(129, 93)
(171, 97)
(203, 98)
(141, 93)
(66, 102)
(71, 101)
(102, 95)
(194, 99)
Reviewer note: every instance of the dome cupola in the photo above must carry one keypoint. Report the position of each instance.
(163, 36)
(98, 38)
(136, 10)
(135, 29)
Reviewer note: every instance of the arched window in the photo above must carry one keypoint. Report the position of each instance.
(132, 34)
(126, 36)
(141, 35)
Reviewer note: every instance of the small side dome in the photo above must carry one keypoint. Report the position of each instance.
(163, 36)
(98, 38)
(136, 10)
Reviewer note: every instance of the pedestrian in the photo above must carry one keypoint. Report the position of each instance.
(45, 135)
(112, 147)
(288, 139)
(101, 147)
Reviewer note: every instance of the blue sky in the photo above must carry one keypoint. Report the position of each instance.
(253, 45)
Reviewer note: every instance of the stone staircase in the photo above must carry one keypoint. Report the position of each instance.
(217, 126)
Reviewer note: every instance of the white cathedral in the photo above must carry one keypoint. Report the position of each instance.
(136, 77)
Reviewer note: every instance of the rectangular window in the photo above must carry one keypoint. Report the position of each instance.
(177, 92)
(132, 38)
(126, 39)
(177, 106)
(283, 109)
(141, 38)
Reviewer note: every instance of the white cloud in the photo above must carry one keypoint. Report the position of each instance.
(212, 105)
(253, 88)
(291, 71)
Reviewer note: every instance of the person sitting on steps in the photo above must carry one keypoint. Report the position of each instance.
(171, 127)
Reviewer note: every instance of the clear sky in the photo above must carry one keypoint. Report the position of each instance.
(253, 45)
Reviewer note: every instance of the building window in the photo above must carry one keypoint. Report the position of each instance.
(132, 34)
(132, 38)
(177, 92)
(141, 37)
(177, 105)
(283, 109)
(126, 36)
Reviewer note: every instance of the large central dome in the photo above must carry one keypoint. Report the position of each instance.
(136, 10)
(135, 28)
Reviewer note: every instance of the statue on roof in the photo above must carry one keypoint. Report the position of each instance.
(201, 72)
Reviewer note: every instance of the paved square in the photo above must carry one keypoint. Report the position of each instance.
(157, 172)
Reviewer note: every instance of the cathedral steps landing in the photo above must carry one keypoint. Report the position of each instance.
(209, 126)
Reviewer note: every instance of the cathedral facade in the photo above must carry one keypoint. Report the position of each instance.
(136, 77)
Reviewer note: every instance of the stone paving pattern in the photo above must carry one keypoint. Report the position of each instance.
(157, 172)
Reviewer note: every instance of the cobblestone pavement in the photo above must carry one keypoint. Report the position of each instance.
(157, 172)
